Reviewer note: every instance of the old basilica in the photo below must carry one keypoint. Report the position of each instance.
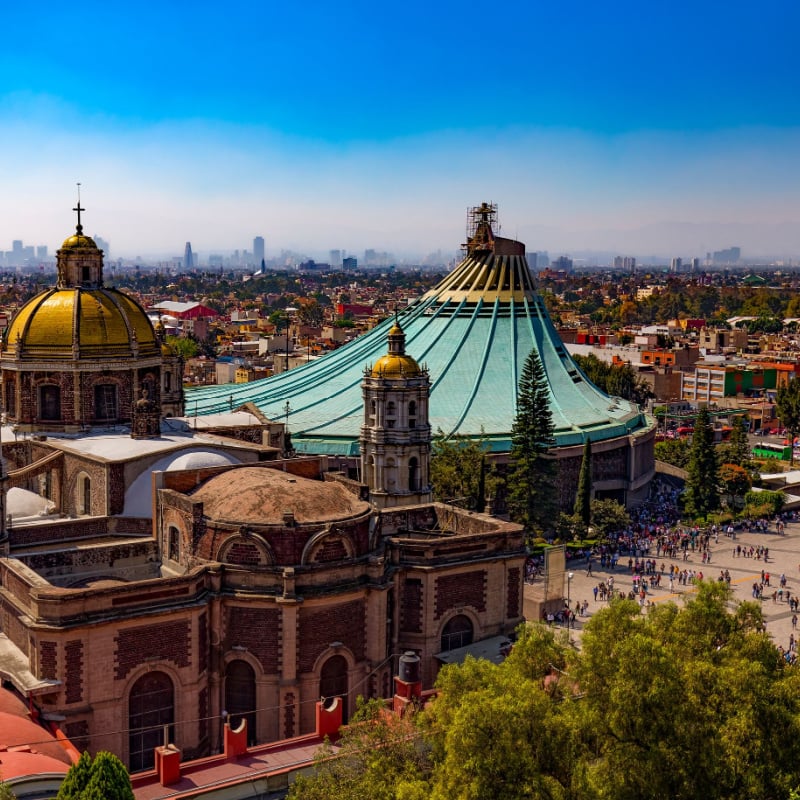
(163, 574)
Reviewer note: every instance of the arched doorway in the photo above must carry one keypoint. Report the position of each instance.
(151, 706)
(333, 681)
(240, 696)
(458, 632)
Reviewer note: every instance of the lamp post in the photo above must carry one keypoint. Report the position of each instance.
(570, 576)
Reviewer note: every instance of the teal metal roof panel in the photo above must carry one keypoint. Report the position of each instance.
(474, 352)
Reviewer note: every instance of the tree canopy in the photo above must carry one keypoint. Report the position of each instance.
(104, 778)
(459, 471)
(618, 380)
(681, 702)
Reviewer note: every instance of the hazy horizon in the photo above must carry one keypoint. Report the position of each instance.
(627, 129)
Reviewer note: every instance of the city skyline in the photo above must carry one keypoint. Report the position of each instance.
(670, 132)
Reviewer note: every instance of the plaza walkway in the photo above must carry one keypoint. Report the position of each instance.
(783, 559)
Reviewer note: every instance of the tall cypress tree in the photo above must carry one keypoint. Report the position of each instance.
(532, 488)
(702, 486)
(583, 497)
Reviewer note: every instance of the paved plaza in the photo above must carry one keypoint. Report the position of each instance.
(783, 559)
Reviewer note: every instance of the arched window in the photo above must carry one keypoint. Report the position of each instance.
(49, 402)
(173, 543)
(151, 706)
(240, 696)
(413, 474)
(333, 681)
(457, 633)
(390, 408)
(105, 401)
(83, 499)
(167, 381)
(412, 413)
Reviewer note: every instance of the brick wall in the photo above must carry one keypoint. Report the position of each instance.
(169, 641)
(245, 553)
(116, 488)
(345, 623)
(411, 606)
(512, 600)
(73, 671)
(257, 629)
(331, 549)
(48, 660)
(202, 643)
(462, 589)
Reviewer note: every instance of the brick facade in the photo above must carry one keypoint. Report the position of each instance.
(345, 623)
(73, 671)
(463, 589)
(258, 630)
(168, 641)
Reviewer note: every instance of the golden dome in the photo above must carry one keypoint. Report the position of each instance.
(81, 323)
(78, 240)
(395, 366)
(395, 330)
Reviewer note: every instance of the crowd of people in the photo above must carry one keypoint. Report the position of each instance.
(655, 537)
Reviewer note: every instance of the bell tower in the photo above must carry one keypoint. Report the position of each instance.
(395, 436)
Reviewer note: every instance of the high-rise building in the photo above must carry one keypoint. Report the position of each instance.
(728, 256)
(258, 250)
(41, 252)
(562, 263)
(335, 257)
(351, 262)
(675, 265)
(103, 245)
(188, 258)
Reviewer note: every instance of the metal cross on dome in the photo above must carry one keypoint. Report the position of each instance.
(79, 209)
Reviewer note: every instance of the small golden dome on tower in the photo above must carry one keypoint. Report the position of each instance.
(395, 366)
(78, 240)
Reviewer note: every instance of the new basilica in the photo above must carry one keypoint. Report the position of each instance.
(163, 574)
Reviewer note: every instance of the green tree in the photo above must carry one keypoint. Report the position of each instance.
(76, 779)
(459, 471)
(702, 486)
(618, 380)
(186, 346)
(108, 779)
(735, 482)
(532, 490)
(674, 451)
(583, 497)
(787, 405)
(767, 503)
(104, 778)
(609, 516)
(5, 792)
(737, 449)
(379, 757)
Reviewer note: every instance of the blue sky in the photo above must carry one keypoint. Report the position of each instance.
(627, 127)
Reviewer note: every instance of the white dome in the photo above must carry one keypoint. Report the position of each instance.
(138, 497)
(22, 504)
